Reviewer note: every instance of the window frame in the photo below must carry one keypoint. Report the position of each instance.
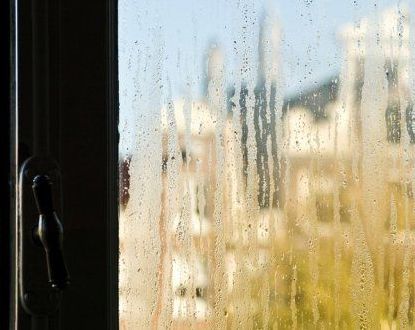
(83, 70)
(6, 100)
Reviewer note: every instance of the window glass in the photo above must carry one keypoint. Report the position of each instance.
(267, 164)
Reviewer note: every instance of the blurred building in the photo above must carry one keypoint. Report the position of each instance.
(249, 179)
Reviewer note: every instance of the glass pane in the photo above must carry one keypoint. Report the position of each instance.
(267, 164)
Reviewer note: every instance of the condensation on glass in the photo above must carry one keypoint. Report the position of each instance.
(267, 164)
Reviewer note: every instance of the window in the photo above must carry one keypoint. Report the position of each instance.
(267, 160)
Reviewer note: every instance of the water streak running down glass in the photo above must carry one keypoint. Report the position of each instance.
(267, 164)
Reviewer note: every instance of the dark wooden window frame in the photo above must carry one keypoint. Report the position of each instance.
(82, 68)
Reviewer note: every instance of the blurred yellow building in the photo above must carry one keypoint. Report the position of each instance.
(294, 213)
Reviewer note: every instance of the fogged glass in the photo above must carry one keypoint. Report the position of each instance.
(267, 164)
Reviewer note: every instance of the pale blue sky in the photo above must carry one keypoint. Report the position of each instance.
(310, 50)
(310, 35)
(181, 30)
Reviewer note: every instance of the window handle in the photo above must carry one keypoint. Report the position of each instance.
(48, 233)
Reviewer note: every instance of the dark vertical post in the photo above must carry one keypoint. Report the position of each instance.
(5, 160)
(40, 69)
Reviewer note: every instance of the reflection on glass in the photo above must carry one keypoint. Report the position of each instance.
(267, 165)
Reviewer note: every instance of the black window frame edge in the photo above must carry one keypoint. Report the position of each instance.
(6, 99)
(9, 166)
(113, 164)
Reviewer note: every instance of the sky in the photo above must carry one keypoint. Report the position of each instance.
(170, 39)
(311, 35)
(310, 47)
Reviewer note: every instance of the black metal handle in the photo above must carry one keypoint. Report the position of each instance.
(49, 233)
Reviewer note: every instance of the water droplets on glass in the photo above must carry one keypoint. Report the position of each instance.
(267, 164)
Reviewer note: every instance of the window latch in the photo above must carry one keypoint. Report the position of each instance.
(48, 233)
(40, 237)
